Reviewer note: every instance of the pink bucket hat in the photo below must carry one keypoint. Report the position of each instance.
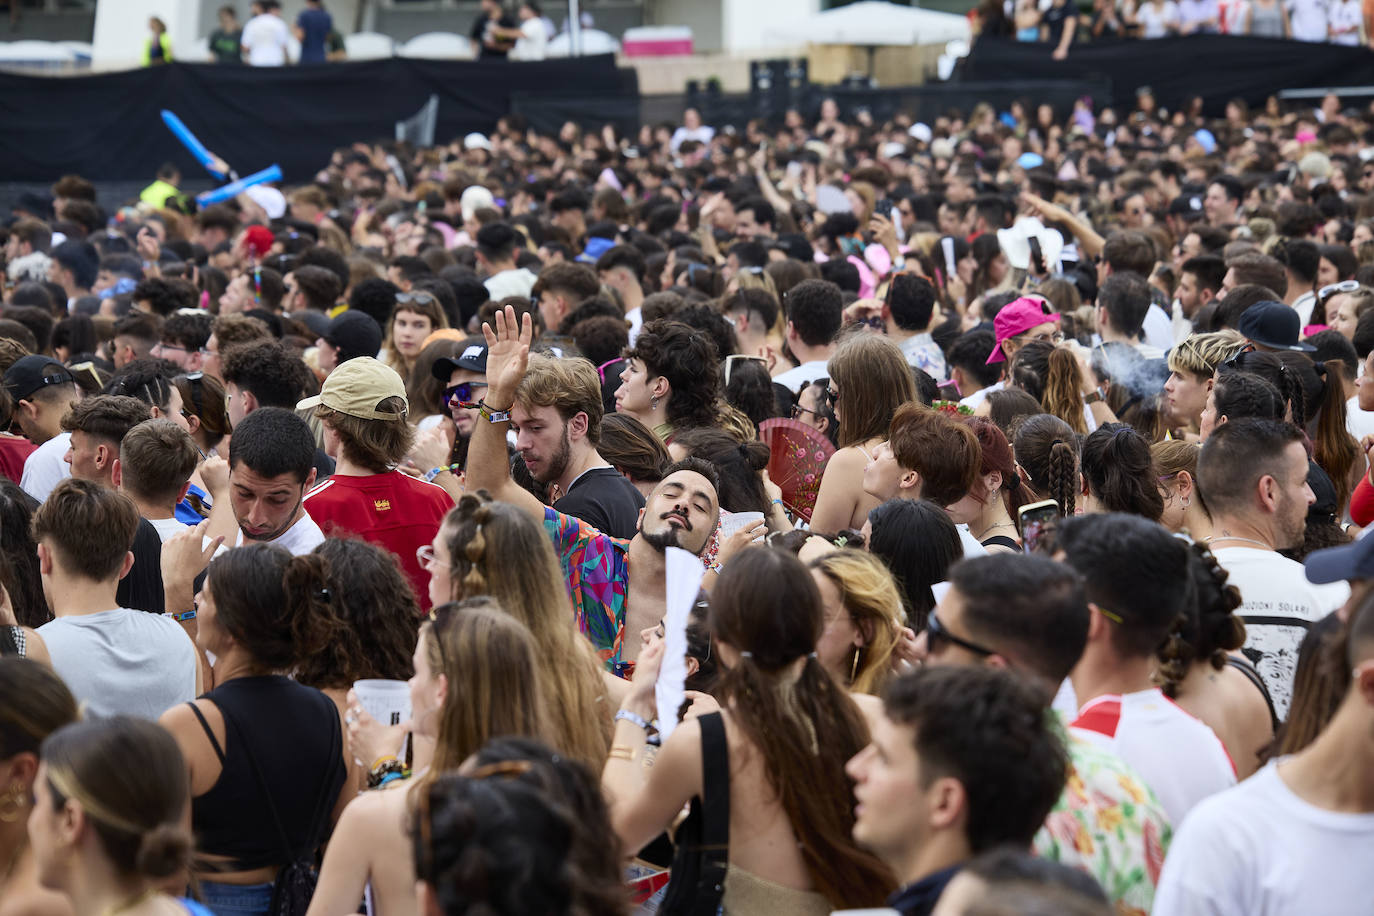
(1015, 318)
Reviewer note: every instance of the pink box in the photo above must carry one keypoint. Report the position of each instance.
(658, 48)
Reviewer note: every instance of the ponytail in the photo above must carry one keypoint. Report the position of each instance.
(1119, 472)
(1063, 395)
(1333, 447)
(1063, 467)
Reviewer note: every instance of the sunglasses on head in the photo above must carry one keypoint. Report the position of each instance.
(461, 395)
(417, 298)
(1345, 286)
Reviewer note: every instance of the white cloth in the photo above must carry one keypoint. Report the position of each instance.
(793, 379)
(636, 319)
(1178, 756)
(1278, 606)
(516, 282)
(975, 400)
(123, 662)
(266, 37)
(1307, 19)
(1155, 23)
(1158, 329)
(1345, 14)
(1359, 423)
(46, 467)
(922, 352)
(1304, 305)
(533, 41)
(702, 134)
(298, 540)
(971, 545)
(1260, 850)
(1182, 325)
(168, 528)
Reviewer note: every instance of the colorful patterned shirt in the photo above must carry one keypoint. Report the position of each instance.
(596, 567)
(1108, 823)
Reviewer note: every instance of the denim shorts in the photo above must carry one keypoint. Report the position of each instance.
(236, 899)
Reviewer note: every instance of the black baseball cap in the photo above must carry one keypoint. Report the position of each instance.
(355, 334)
(1273, 325)
(473, 359)
(31, 373)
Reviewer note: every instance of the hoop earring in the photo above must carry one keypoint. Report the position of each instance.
(1186, 502)
(12, 803)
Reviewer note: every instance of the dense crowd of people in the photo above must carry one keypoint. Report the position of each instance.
(1020, 456)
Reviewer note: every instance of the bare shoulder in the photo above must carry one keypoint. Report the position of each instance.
(870, 706)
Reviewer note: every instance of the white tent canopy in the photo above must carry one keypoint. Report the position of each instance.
(874, 23)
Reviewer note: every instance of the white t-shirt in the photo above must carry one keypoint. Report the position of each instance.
(516, 282)
(793, 379)
(1345, 14)
(298, 540)
(680, 136)
(168, 528)
(532, 41)
(1359, 423)
(1305, 304)
(1278, 606)
(1178, 756)
(266, 38)
(975, 400)
(45, 467)
(1155, 23)
(1307, 19)
(123, 662)
(1260, 850)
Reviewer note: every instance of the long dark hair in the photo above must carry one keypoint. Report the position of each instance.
(1047, 450)
(19, 556)
(1209, 627)
(918, 542)
(767, 607)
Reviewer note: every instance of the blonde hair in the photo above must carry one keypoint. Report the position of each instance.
(870, 596)
(1200, 354)
(494, 679)
(496, 550)
(746, 279)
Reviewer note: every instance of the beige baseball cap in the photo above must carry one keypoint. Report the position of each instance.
(357, 386)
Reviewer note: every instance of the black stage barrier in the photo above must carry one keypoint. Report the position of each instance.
(1216, 67)
(107, 127)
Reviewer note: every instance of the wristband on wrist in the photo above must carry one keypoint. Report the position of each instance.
(1092, 397)
(492, 416)
(435, 472)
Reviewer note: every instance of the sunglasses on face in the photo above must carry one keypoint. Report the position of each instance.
(937, 636)
(461, 395)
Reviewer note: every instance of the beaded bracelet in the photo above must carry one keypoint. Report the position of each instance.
(435, 472)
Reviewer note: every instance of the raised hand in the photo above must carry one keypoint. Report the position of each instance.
(508, 355)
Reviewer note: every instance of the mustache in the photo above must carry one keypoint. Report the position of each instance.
(680, 516)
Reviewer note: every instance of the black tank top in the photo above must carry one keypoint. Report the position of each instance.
(292, 732)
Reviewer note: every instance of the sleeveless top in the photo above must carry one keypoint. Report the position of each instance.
(291, 733)
(1266, 21)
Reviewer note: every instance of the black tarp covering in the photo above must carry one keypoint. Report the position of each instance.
(1217, 67)
(108, 126)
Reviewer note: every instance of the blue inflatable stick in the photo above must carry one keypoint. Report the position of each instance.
(192, 143)
(235, 188)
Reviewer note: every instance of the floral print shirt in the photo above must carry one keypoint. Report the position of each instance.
(1108, 823)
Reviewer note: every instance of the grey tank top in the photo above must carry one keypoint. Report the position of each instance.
(1266, 21)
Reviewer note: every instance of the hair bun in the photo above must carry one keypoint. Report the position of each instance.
(163, 851)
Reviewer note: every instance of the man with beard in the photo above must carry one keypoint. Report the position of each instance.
(682, 511)
(271, 467)
(556, 417)
(1253, 476)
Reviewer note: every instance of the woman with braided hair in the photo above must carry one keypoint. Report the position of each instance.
(495, 549)
(477, 676)
(1046, 451)
(1200, 667)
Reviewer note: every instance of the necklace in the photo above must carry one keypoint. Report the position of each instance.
(132, 902)
(1232, 537)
